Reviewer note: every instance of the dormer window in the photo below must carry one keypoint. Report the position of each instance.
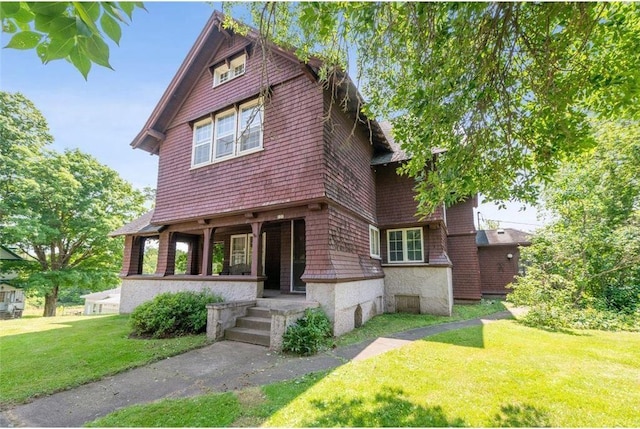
(229, 71)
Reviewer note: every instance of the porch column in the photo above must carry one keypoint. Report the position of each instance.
(205, 269)
(256, 259)
(132, 261)
(166, 254)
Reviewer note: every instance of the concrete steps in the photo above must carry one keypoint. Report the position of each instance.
(254, 328)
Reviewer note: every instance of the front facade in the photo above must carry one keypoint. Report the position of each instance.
(270, 183)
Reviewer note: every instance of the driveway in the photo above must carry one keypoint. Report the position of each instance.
(218, 367)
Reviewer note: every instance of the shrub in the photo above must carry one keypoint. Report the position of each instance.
(173, 314)
(311, 332)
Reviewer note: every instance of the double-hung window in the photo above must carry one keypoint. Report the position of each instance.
(250, 127)
(405, 245)
(202, 132)
(225, 133)
(234, 132)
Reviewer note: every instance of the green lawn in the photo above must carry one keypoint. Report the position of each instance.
(499, 375)
(389, 323)
(43, 355)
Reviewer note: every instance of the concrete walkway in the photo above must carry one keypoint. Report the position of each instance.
(219, 367)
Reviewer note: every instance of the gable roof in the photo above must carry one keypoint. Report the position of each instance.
(7, 254)
(502, 237)
(141, 225)
(396, 154)
(104, 294)
(210, 40)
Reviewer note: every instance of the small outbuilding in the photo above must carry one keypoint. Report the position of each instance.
(103, 302)
(499, 257)
(11, 296)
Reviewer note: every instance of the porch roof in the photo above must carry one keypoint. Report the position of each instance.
(141, 225)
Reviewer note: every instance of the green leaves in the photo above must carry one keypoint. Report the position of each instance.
(507, 89)
(24, 40)
(74, 31)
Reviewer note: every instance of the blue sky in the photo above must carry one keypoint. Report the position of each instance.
(102, 115)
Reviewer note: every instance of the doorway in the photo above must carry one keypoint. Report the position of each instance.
(298, 255)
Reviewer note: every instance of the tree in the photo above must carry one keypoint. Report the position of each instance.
(73, 31)
(508, 89)
(59, 210)
(23, 134)
(589, 257)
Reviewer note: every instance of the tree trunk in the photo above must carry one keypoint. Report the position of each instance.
(50, 301)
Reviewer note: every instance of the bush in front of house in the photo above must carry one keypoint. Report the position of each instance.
(173, 314)
(311, 332)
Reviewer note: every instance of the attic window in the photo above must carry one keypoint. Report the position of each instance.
(230, 70)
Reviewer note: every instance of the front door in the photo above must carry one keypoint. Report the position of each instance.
(272, 257)
(299, 259)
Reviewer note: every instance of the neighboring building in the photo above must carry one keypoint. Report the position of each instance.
(103, 302)
(11, 297)
(499, 256)
(298, 188)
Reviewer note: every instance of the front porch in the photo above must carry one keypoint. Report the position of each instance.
(262, 321)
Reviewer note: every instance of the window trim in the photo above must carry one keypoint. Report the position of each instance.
(374, 241)
(203, 122)
(238, 141)
(229, 67)
(405, 250)
(236, 111)
(224, 114)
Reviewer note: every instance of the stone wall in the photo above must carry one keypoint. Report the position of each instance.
(139, 290)
(348, 304)
(431, 285)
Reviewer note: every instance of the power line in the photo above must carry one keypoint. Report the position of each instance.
(508, 221)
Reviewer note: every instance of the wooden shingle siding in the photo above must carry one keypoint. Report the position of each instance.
(496, 269)
(395, 198)
(463, 251)
(349, 179)
(288, 169)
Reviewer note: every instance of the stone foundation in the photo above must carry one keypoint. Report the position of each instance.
(349, 304)
(136, 291)
(431, 286)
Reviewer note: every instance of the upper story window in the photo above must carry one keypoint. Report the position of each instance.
(405, 245)
(374, 242)
(230, 133)
(229, 71)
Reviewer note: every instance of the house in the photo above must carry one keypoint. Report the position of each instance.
(499, 257)
(11, 297)
(287, 182)
(103, 302)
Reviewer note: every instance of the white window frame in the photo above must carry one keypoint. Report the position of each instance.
(236, 151)
(239, 132)
(374, 242)
(230, 71)
(197, 144)
(248, 247)
(405, 250)
(222, 115)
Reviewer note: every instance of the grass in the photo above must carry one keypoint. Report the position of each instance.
(499, 375)
(43, 355)
(389, 323)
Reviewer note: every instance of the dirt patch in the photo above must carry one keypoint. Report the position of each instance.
(249, 399)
